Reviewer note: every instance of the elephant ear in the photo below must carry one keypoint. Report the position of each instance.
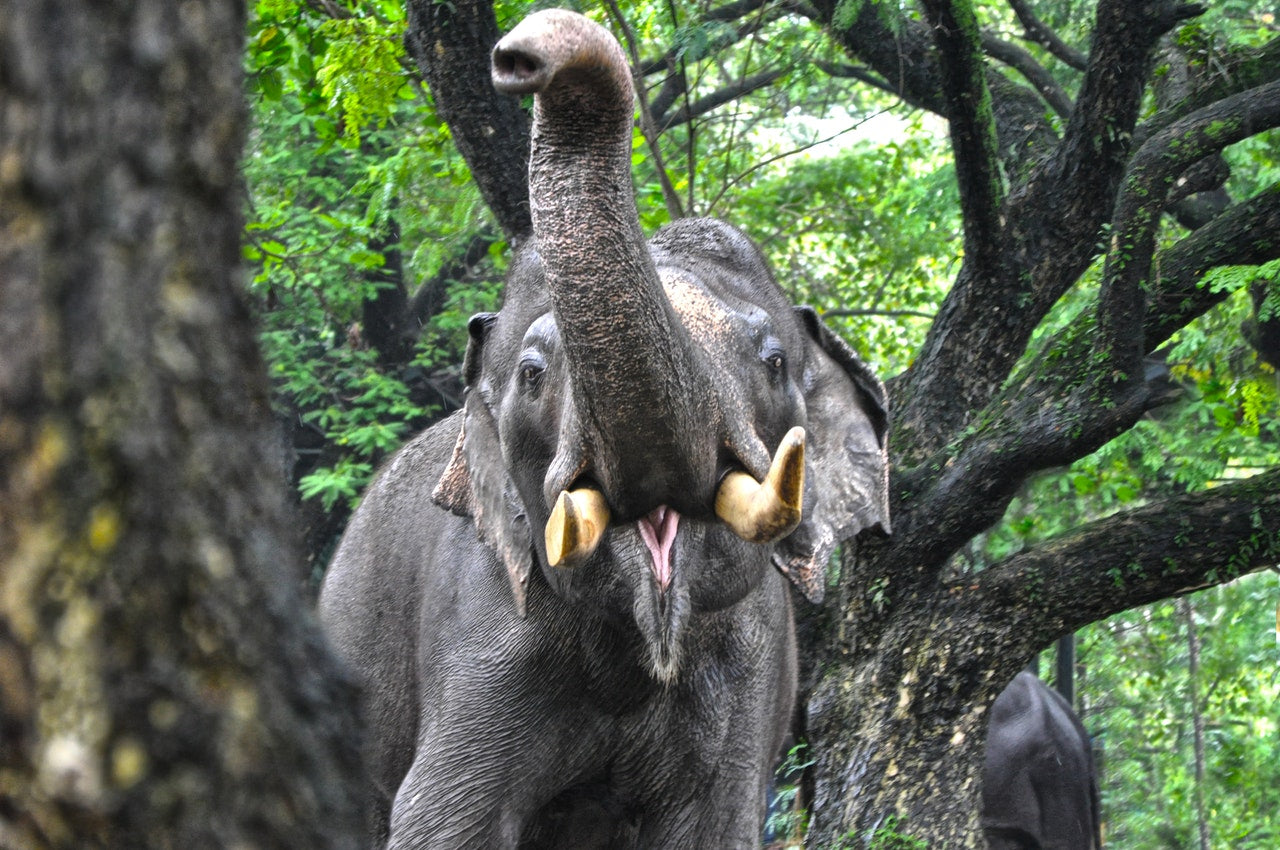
(846, 457)
(476, 484)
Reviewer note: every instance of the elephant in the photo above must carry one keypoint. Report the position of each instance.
(1039, 786)
(568, 603)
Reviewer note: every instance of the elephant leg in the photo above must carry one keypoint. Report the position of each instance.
(441, 809)
(729, 816)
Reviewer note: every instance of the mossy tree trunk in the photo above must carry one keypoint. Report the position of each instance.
(915, 650)
(161, 683)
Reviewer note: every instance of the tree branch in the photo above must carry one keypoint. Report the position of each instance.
(1050, 414)
(1088, 165)
(1050, 420)
(1155, 167)
(1167, 548)
(724, 14)
(647, 125)
(429, 299)
(718, 98)
(902, 55)
(1247, 233)
(853, 72)
(1045, 247)
(973, 129)
(1042, 35)
(1035, 73)
(1243, 70)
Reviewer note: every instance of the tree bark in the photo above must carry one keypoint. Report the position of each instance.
(163, 684)
(450, 42)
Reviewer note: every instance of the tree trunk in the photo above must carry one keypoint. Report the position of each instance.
(450, 42)
(898, 721)
(163, 684)
(1197, 719)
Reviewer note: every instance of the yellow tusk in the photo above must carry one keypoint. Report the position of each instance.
(765, 512)
(576, 526)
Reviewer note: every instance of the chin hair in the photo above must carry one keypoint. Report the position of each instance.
(661, 622)
(664, 662)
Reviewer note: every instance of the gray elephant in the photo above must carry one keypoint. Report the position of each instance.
(566, 602)
(1039, 787)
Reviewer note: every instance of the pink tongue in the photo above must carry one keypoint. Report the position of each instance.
(658, 531)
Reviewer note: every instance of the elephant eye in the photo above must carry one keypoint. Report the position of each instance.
(532, 365)
(774, 358)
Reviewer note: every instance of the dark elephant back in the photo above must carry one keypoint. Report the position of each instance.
(1039, 783)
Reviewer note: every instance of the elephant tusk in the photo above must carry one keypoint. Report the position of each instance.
(764, 512)
(576, 526)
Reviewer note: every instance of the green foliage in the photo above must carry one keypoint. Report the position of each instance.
(360, 74)
(867, 233)
(889, 837)
(1234, 278)
(787, 822)
(1137, 696)
(342, 155)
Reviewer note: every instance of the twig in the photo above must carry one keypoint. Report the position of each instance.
(674, 208)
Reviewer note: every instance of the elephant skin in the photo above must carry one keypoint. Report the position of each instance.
(637, 693)
(1039, 787)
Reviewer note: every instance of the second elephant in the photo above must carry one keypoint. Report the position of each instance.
(1039, 786)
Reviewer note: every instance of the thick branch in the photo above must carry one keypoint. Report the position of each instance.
(973, 130)
(1155, 167)
(1051, 226)
(1246, 234)
(1239, 72)
(964, 489)
(1050, 415)
(903, 56)
(1163, 549)
(1035, 428)
(1087, 167)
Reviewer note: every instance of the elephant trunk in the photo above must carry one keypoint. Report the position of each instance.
(634, 376)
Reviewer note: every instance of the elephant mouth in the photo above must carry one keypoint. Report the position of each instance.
(658, 531)
(758, 511)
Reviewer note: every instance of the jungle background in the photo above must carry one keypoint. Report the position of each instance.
(370, 246)
(1069, 283)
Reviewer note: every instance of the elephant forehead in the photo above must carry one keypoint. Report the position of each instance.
(705, 316)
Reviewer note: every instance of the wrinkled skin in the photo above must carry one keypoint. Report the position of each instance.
(1039, 788)
(637, 696)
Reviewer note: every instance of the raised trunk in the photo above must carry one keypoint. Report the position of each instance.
(631, 361)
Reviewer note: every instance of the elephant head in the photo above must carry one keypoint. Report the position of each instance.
(651, 423)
